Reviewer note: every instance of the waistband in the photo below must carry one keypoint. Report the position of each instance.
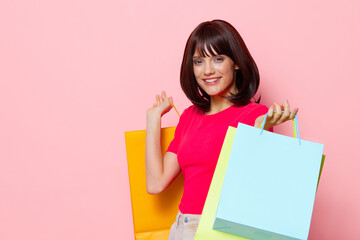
(187, 218)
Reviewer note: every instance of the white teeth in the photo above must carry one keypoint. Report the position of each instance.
(211, 80)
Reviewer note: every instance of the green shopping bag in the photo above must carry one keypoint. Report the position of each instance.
(205, 231)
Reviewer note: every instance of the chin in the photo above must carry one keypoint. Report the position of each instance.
(215, 93)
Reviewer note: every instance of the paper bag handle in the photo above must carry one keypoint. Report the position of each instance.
(296, 131)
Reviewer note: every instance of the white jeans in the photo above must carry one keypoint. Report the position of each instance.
(184, 227)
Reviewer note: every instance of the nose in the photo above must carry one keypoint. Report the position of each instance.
(209, 69)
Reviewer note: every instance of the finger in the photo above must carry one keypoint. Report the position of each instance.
(293, 113)
(278, 113)
(157, 99)
(171, 100)
(163, 96)
(286, 114)
(271, 112)
(286, 107)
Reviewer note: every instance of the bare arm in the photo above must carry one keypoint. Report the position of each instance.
(160, 171)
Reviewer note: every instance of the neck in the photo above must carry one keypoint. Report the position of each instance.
(218, 104)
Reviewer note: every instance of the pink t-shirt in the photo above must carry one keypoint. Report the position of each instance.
(197, 143)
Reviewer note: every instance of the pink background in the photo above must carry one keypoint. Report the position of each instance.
(76, 74)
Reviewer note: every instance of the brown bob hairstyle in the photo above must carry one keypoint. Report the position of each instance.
(219, 38)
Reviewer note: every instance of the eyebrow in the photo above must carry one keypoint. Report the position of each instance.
(196, 57)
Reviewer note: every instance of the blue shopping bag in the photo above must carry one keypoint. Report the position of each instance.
(269, 186)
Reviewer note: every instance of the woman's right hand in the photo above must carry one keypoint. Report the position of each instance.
(162, 105)
(160, 171)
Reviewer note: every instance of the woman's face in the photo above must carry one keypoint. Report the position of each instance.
(215, 74)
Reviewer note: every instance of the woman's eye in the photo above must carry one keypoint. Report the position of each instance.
(197, 62)
(219, 59)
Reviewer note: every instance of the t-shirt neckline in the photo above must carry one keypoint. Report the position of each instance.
(221, 112)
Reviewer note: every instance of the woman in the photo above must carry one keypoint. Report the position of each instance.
(220, 78)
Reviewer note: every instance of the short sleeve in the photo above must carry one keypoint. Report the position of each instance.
(256, 112)
(174, 145)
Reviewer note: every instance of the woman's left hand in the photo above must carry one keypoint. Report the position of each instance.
(276, 116)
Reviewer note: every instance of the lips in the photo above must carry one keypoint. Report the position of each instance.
(211, 81)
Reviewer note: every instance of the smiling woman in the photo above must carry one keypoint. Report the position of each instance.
(220, 78)
(220, 42)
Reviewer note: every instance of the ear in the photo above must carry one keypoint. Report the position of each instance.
(236, 67)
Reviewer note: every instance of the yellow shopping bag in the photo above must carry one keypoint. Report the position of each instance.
(153, 215)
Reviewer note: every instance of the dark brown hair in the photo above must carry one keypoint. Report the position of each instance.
(219, 37)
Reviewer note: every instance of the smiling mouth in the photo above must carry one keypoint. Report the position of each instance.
(211, 81)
